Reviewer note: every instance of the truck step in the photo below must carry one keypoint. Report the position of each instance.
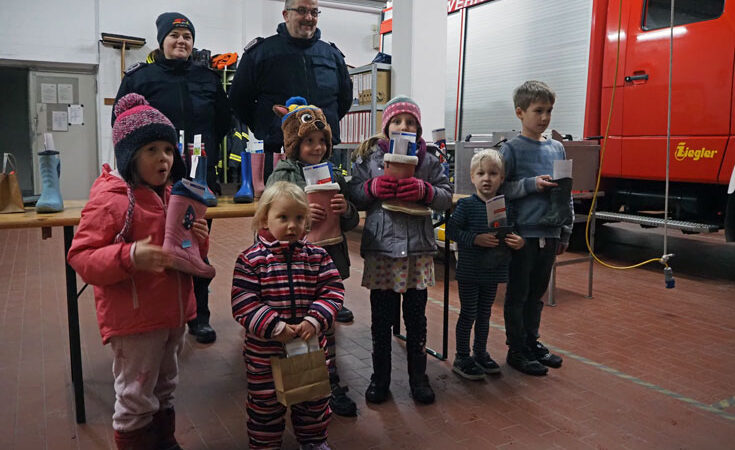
(691, 227)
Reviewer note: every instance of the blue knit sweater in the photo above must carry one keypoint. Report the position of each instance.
(525, 159)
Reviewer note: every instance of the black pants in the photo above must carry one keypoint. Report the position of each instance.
(528, 278)
(268, 166)
(414, 316)
(201, 293)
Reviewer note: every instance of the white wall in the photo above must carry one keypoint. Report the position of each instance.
(419, 58)
(62, 32)
(49, 30)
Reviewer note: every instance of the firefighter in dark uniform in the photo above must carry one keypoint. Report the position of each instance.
(192, 97)
(293, 62)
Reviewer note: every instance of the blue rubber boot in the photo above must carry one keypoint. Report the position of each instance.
(201, 178)
(245, 194)
(50, 165)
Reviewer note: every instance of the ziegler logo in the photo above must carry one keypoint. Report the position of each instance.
(683, 152)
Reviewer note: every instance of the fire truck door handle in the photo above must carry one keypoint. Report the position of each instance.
(630, 78)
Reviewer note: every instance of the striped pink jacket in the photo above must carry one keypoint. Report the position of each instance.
(274, 282)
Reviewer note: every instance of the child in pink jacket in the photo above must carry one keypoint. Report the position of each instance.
(142, 304)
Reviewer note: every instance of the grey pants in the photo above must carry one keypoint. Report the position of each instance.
(146, 370)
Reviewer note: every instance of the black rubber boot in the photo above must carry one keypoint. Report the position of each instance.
(379, 389)
(420, 389)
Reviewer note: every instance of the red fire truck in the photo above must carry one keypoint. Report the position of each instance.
(702, 130)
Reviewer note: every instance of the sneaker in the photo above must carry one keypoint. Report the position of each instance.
(520, 361)
(487, 363)
(320, 446)
(466, 367)
(544, 356)
(340, 403)
(345, 315)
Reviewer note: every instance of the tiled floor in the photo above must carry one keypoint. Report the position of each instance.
(645, 367)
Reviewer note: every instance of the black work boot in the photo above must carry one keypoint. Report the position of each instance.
(379, 388)
(558, 213)
(420, 389)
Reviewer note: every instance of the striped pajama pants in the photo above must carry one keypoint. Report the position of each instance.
(266, 417)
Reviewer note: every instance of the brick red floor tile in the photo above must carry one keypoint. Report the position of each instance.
(678, 343)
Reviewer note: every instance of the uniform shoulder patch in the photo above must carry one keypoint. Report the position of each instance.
(338, 50)
(134, 67)
(252, 44)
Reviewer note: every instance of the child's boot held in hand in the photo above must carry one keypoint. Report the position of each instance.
(184, 207)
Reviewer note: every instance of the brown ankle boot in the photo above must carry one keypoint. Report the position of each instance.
(164, 425)
(140, 439)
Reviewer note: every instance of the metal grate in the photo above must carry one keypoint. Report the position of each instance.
(657, 222)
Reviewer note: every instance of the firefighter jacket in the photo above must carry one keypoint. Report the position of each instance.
(190, 95)
(279, 67)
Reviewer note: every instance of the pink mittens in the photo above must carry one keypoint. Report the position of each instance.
(412, 189)
(382, 187)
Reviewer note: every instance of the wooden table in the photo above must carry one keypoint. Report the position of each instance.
(69, 218)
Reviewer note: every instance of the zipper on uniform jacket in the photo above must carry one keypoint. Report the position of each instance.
(306, 75)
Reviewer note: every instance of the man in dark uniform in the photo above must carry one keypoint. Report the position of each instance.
(294, 62)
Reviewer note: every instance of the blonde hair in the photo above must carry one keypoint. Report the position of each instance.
(278, 190)
(532, 91)
(488, 154)
(365, 148)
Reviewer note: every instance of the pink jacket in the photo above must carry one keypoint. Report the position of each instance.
(128, 301)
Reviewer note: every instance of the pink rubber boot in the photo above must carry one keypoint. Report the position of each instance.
(185, 206)
(257, 163)
(326, 232)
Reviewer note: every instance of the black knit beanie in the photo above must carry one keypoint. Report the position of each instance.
(170, 20)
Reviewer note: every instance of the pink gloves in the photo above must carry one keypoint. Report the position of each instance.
(382, 187)
(413, 190)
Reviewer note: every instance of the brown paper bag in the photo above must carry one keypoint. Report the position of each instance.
(11, 200)
(303, 377)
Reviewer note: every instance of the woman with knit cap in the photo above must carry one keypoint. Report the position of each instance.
(192, 97)
(398, 246)
(142, 304)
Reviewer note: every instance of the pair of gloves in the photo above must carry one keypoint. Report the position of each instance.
(385, 187)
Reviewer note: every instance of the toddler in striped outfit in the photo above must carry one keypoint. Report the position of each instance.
(482, 264)
(283, 288)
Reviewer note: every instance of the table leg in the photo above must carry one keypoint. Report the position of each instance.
(75, 350)
(447, 260)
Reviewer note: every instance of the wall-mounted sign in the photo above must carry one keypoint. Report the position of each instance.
(456, 5)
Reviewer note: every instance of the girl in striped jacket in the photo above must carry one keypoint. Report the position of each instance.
(283, 288)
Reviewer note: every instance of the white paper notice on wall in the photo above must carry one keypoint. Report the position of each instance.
(48, 93)
(76, 114)
(59, 121)
(66, 93)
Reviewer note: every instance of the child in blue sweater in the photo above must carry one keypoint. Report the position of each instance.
(529, 161)
(482, 264)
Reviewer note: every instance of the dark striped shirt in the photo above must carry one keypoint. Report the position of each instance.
(481, 265)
